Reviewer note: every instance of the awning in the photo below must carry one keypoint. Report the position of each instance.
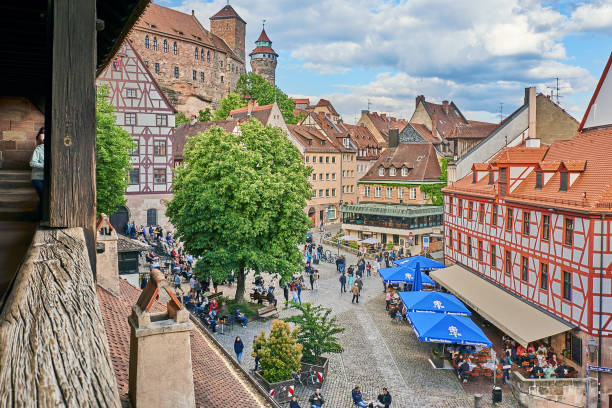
(519, 320)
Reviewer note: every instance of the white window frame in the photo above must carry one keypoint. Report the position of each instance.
(381, 171)
(413, 193)
(366, 191)
(404, 171)
(389, 192)
(392, 171)
(377, 191)
(400, 192)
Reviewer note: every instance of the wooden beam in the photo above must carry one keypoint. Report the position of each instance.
(72, 184)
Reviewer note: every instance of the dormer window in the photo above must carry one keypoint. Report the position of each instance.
(538, 180)
(381, 171)
(563, 181)
(491, 177)
(404, 171)
(392, 171)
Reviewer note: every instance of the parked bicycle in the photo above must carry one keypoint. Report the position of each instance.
(306, 378)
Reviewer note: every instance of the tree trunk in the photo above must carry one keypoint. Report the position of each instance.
(240, 284)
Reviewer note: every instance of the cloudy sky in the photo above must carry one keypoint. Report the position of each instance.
(476, 53)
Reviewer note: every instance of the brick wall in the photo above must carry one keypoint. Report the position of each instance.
(19, 124)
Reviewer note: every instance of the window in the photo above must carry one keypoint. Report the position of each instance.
(563, 181)
(503, 180)
(333, 159)
(327, 192)
(207, 56)
(201, 77)
(377, 191)
(196, 54)
(326, 176)
(161, 119)
(314, 193)
(400, 192)
(155, 43)
(470, 210)
(525, 269)
(314, 176)
(176, 72)
(404, 172)
(202, 54)
(194, 74)
(221, 78)
(157, 67)
(460, 208)
(481, 213)
(381, 171)
(538, 180)
(480, 251)
(117, 64)
(491, 177)
(412, 193)
(392, 171)
(509, 219)
(545, 227)
(307, 158)
(494, 215)
(569, 231)
(450, 240)
(165, 46)
(134, 151)
(544, 276)
(389, 192)
(130, 118)
(424, 196)
(331, 212)
(333, 176)
(493, 256)
(508, 270)
(159, 176)
(333, 192)
(321, 176)
(130, 93)
(174, 48)
(134, 176)
(567, 285)
(366, 191)
(526, 215)
(152, 216)
(326, 159)
(147, 41)
(159, 148)
(459, 249)
(321, 193)
(469, 242)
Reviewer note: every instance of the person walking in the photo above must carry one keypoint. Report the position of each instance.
(311, 278)
(238, 347)
(316, 279)
(285, 288)
(355, 290)
(316, 400)
(342, 283)
(299, 292)
(350, 280)
(369, 269)
(359, 284)
(37, 162)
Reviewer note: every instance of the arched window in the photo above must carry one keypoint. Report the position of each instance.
(175, 48)
(196, 54)
(147, 41)
(152, 217)
(155, 43)
(207, 56)
(165, 46)
(202, 54)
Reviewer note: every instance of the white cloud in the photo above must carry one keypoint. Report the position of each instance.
(593, 17)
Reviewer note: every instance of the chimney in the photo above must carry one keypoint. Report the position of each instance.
(383, 116)
(151, 335)
(531, 92)
(106, 256)
(393, 137)
(365, 111)
(193, 13)
(445, 107)
(250, 106)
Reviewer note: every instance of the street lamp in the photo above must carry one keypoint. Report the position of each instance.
(592, 348)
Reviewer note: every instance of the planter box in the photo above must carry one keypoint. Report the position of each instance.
(321, 367)
(280, 392)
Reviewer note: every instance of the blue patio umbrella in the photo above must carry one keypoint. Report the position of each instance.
(426, 263)
(402, 274)
(433, 302)
(448, 329)
(417, 284)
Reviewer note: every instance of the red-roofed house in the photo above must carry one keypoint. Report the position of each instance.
(536, 221)
(380, 124)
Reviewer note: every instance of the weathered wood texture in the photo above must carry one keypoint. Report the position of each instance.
(72, 184)
(53, 347)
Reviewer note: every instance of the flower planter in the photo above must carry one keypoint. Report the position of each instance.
(321, 368)
(281, 391)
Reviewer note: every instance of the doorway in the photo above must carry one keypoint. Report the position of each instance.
(120, 219)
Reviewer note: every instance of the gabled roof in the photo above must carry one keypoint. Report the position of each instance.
(187, 130)
(328, 105)
(520, 155)
(227, 12)
(473, 130)
(383, 123)
(420, 158)
(312, 139)
(362, 137)
(445, 118)
(261, 113)
(599, 115)
(425, 133)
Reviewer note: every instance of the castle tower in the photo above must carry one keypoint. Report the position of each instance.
(229, 26)
(263, 58)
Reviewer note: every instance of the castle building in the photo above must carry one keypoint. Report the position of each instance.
(263, 58)
(194, 67)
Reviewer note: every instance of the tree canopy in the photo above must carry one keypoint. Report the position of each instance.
(179, 119)
(205, 115)
(435, 190)
(279, 354)
(113, 147)
(230, 102)
(239, 202)
(255, 86)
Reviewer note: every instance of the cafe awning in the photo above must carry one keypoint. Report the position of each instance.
(518, 319)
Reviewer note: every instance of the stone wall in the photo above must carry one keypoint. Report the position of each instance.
(554, 393)
(20, 121)
(265, 67)
(232, 31)
(138, 204)
(552, 122)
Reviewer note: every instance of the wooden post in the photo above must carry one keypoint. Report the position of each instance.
(72, 178)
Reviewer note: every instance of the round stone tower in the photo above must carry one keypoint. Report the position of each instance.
(263, 58)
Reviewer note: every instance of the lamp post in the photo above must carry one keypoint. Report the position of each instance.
(592, 348)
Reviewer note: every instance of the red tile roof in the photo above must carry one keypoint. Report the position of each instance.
(216, 382)
(520, 155)
(383, 123)
(419, 158)
(312, 139)
(473, 130)
(480, 167)
(263, 36)
(263, 50)
(425, 133)
(445, 119)
(362, 137)
(328, 105)
(227, 12)
(187, 130)
(300, 101)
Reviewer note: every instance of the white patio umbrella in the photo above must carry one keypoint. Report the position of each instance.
(348, 238)
(371, 240)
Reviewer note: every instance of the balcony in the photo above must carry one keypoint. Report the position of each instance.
(401, 217)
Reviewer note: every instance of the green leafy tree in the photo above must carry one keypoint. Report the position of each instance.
(256, 87)
(318, 332)
(205, 115)
(113, 147)
(435, 190)
(230, 102)
(279, 354)
(239, 202)
(180, 118)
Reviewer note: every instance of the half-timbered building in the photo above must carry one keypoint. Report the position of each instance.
(144, 112)
(536, 222)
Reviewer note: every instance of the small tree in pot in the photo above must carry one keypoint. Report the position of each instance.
(317, 333)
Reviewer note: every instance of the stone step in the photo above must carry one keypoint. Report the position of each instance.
(22, 198)
(14, 184)
(18, 214)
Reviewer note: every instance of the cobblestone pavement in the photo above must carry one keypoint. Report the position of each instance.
(378, 352)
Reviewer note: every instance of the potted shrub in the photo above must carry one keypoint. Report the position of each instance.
(317, 334)
(279, 357)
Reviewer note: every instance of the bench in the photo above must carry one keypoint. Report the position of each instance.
(215, 295)
(267, 311)
(258, 297)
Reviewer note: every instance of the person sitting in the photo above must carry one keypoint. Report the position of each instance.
(383, 400)
(548, 371)
(211, 322)
(214, 307)
(535, 370)
(271, 299)
(561, 371)
(463, 369)
(357, 398)
(240, 317)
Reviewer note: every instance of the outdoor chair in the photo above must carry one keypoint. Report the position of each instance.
(466, 375)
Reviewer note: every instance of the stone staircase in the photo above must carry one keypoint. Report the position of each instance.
(18, 201)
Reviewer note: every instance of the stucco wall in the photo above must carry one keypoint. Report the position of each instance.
(552, 123)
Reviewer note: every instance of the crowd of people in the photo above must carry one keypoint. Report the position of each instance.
(317, 400)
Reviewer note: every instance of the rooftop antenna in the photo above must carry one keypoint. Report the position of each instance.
(554, 91)
(263, 21)
(369, 104)
(501, 112)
